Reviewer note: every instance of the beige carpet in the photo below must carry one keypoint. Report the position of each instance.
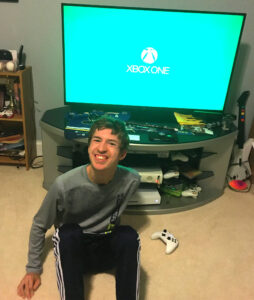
(214, 261)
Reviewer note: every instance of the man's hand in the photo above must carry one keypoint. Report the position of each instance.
(28, 285)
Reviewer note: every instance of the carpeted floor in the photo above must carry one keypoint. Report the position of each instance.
(214, 260)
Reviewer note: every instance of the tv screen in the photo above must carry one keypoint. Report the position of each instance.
(133, 57)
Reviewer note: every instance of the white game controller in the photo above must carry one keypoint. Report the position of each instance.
(190, 193)
(193, 192)
(168, 238)
(171, 174)
(179, 156)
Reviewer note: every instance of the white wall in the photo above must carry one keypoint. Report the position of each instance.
(37, 25)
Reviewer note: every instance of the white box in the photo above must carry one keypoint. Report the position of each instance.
(145, 196)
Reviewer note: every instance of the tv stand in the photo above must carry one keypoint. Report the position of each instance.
(58, 158)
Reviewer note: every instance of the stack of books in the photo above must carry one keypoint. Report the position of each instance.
(12, 145)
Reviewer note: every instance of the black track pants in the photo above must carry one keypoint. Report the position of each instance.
(77, 253)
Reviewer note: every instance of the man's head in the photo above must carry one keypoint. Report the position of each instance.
(107, 145)
(117, 127)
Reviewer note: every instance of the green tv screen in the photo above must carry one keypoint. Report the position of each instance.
(149, 58)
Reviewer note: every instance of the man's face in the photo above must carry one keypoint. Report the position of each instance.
(104, 150)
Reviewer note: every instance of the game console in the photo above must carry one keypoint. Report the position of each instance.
(145, 196)
(150, 175)
(148, 194)
(168, 238)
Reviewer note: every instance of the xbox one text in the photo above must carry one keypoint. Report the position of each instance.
(148, 69)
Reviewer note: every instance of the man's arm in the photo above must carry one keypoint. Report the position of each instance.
(43, 220)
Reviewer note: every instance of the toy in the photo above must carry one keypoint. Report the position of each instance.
(239, 168)
(168, 238)
(238, 185)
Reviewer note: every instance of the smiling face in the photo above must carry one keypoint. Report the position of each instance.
(104, 154)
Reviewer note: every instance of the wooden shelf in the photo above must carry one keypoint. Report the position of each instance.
(15, 118)
(24, 122)
(12, 161)
(18, 73)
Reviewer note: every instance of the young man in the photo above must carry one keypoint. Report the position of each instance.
(84, 205)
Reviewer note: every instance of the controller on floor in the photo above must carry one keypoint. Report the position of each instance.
(168, 238)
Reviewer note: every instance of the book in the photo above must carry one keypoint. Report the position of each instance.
(11, 139)
(5, 146)
(188, 120)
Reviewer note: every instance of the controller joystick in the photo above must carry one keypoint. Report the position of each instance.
(168, 238)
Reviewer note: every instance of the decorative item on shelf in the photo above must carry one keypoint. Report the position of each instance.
(16, 90)
(9, 108)
(8, 60)
(6, 113)
(2, 94)
(11, 60)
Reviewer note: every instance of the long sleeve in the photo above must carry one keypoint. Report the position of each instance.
(43, 220)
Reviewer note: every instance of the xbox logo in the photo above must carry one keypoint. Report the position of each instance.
(149, 55)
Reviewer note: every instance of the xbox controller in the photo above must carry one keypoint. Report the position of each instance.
(179, 156)
(171, 174)
(192, 192)
(168, 238)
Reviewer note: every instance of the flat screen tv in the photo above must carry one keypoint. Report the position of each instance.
(148, 59)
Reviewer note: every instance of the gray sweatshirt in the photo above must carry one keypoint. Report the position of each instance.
(73, 198)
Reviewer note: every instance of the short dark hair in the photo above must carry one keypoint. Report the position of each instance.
(117, 126)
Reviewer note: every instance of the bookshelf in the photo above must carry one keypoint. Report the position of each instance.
(23, 120)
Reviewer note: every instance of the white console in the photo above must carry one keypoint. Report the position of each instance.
(146, 196)
(149, 195)
(151, 175)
